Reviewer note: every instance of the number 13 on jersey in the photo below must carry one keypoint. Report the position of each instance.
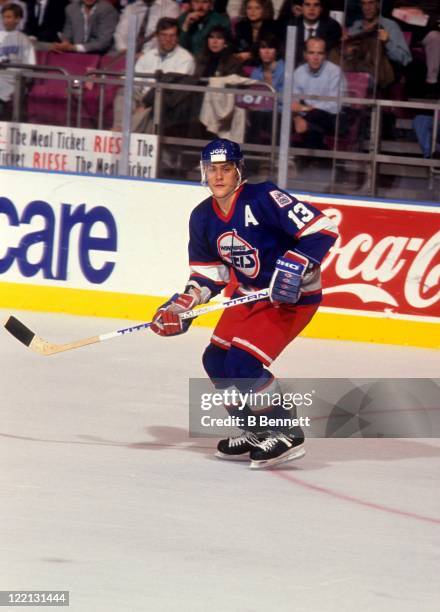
(300, 215)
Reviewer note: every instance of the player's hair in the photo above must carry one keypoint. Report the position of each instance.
(165, 23)
(14, 8)
(266, 5)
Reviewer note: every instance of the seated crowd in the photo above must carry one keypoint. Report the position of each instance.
(393, 42)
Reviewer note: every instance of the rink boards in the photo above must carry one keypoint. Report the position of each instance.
(117, 247)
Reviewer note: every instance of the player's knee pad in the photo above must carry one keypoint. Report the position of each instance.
(214, 362)
(241, 364)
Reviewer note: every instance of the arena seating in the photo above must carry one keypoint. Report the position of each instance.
(47, 98)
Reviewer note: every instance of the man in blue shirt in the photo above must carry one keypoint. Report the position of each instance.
(315, 119)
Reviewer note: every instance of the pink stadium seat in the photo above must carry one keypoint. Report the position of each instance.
(260, 107)
(47, 100)
(407, 36)
(112, 63)
(359, 85)
(41, 57)
(247, 70)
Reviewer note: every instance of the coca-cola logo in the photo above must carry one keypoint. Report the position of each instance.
(397, 271)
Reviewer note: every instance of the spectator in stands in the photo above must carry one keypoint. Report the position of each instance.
(290, 10)
(45, 19)
(386, 32)
(218, 63)
(148, 13)
(311, 23)
(217, 58)
(256, 22)
(270, 69)
(89, 27)
(315, 119)
(423, 126)
(352, 9)
(15, 47)
(424, 25)
(270, 66)
(167, 56)
(23, 7)
(197, 22)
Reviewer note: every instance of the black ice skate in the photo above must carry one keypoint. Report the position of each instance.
(238, 447)
(276, 448)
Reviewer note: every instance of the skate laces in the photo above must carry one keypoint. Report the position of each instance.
(246, 436)
(272, 441)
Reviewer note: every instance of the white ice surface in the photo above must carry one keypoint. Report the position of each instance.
(104, 494)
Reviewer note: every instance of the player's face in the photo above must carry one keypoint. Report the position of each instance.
(222, 179)
(315, 54)
(312, 10)
(10, 21)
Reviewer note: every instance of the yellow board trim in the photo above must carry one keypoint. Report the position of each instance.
(141, 308)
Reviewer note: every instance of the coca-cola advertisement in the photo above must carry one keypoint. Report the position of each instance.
(386, 259)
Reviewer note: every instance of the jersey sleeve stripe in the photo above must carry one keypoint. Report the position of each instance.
(319, 224)
(216, 273)
(206, 278)
(329, 232)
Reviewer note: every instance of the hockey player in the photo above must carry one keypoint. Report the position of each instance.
(269, 239)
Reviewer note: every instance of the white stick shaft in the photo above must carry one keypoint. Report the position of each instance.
(245, 299)
(42, 347)
(192, 314)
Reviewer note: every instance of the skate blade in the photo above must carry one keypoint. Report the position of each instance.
(220, 455)
(295, 453)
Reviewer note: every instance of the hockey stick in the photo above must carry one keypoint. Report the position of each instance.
(42, 347)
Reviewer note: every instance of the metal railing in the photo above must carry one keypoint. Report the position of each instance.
(372, 156)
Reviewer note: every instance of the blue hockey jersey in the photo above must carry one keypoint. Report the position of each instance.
(263, 223)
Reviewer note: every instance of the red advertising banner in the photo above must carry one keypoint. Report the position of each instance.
(386, 259)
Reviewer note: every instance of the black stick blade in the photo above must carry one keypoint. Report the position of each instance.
(19, 331)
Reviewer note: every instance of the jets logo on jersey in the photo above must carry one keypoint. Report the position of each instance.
(282, 199)
(238, 253)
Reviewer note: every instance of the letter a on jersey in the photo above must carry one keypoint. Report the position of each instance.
(249, 218)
